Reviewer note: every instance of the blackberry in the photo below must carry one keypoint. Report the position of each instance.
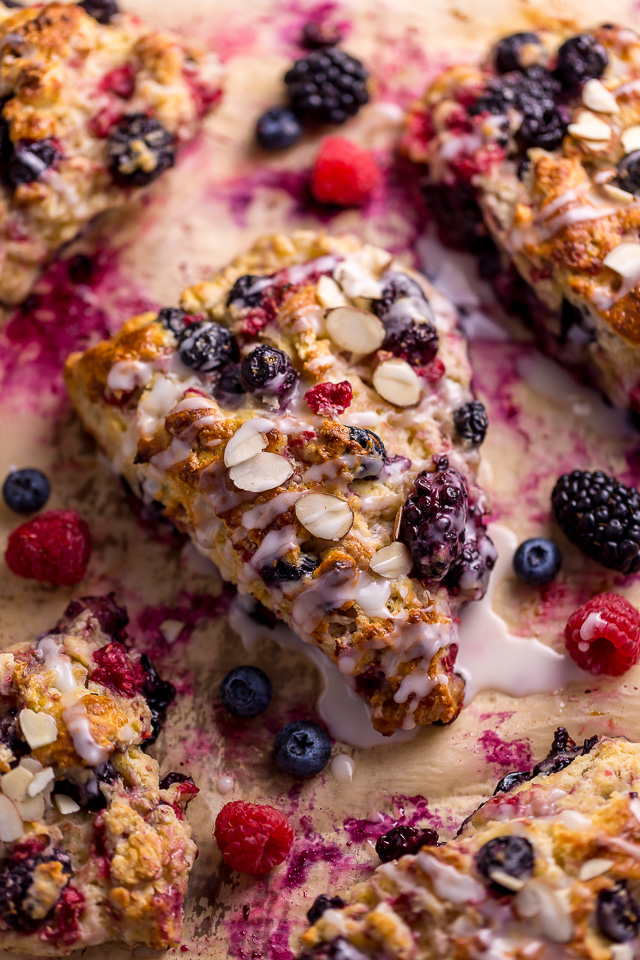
(415, 342)
(246, 692)
(173, 319)
(433, 521)
(534, 93)
(101, 10)
(402, 840)
(398, 286)
(601, 516)
(29, 159)
(580, 58)
(375, 454)
(510, 855)
(268, 371)
(338, 949)
(320, 904)
(278, 129)
(9, 734)
(228, 389)
(457, 216)
(175, 777)
(206, 346)
(16, 877)
(159, 695)
(629, 172)
(317, 36)
(563, 752)
(544, 126)
(537, 561)
(87, 793)
(618, 913)
(139, 149)
(247, 291)
(517, 52)
(471, 422)
(302, 748)
(328, 86)
(282, 571)
(471, 571)
(26, 491)
(113, 618)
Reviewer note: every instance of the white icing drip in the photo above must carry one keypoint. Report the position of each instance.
(342, 768)
(157, 402)
(592, 627)
(265, 513)
(449, 883)
(324, 594)
(300, 272)
(128, 374)
(49, 649)
(417, 684)
(275, 545)
(372, 595)
(191, 403)
(77, 720)
(176, 452)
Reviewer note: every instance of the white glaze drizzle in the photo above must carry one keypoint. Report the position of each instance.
(54, 660)
(77, 721)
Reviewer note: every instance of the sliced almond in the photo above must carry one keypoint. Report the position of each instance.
(265, 471)
(31, 809)
(590, 127)
(595, 868)
(171, 629)
(630, 139)
(329, 294)
(615, 193)
(11, 825)
(356, 280)
(596, 97)
(324, 515)
(355, 330)
(65, 804)
(31, 764)
(247, 441)
(397, 382)
(40, 781)
(16, 783)
(506, 880)
(625, 260)
(391, 562)
(39, 729)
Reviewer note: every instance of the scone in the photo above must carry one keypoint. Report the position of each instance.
(94, 847)
(307, 418)
(546, 870)
(91, 110)
(541, 148)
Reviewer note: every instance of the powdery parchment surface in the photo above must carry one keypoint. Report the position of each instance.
(222, 195)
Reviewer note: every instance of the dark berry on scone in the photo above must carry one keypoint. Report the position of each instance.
(10, 734)
(399, 286)
(629, 172)
(86, 789)
(247, 291)
(175, 777)
(302, 748)
(316, 35)
(618, 913)
(278, 129)
(504, 860)
(246, 691)
(328, 86)
(268, 371)
(408, 320)
(537, 561)
(563, 752)
(173, 319)
(101, 10)
(374, 457)
(517, 52)
(282, 571)
(26, 491)
(528, 91)
(228, 388)
(322, 903)
(139, 150)
(472, 569)
(26, 865)
(113, 618)
(543, 126)
(30, 159)
(601, 516)
(206, 346)
(402, 840)
(471, 422)
(580, 58)
(433, 521)
(338, 949)
(159, 695)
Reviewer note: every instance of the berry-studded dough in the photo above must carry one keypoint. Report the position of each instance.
(93, 846)
(296, 416)
(546, 869)
(90, 110)
(541, 149)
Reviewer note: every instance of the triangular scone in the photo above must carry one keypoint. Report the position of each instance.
(294, 494)
(94, 846)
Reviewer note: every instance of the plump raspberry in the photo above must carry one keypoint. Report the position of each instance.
(330, 398)
(603, 636)
(115, 671)
(253, 838)
(54, 547)
(344, 174)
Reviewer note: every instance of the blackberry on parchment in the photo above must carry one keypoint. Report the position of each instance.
(328, 86)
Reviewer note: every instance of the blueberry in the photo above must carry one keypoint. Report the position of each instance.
(471, 422)
(509, 855)
(320, 904)
(629, 172)
(302, 748)
(101, 10)
(26, 491)
(206, 346)
(159, 695)
(228, 389)
(402, 840)
(580, 58)
(268, 371)
(278, 129)
(375, 454)
(281, 571)
(139, 150)
(537, 561)
(247, 291)
(517, 52)
(87, 793)
(173, 319)
(30, 159)
(246, 692)
(618, 914)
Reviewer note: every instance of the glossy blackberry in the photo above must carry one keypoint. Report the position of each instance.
(537, 561)
(246, 691)
(173, 319)
(415, 342)
(402, 840)
(87, 793)
(30, 159)
(328, 86)
(139, 149)
(457, 216)
(281, 571)
(113, 618)
(505, 857)
(338, 949)
(228, 389)
(302, 748)
(375, 454)
(534, 93)
(206, 346)
(601, 516)
(580, 58)
(175, 777)
(618, 913)
(10, 735)
(320, 904)
(471, 571)
(517, 52)
(16, 877)
(563, 752)
(101, 10)
(247, 291)
(433, 521)
(268, 371)
(398, 286)
(159, 695)
(471, 422)
(278, 129)
(26, 491)
(629, 172)
(544, 126)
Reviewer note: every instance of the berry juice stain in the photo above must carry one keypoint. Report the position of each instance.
(515, 754)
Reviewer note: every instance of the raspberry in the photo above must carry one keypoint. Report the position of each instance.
(330, 398)
(603, 636)
(54, 547)
(116, 671)
(344, 174)
(253, 838)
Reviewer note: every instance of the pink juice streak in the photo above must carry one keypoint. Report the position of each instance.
(407, 811)
(515, 754)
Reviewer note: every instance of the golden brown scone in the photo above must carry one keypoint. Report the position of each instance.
(546, 160)
(294, 494)
(547, 870)
(93, 847)
(89, 113)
